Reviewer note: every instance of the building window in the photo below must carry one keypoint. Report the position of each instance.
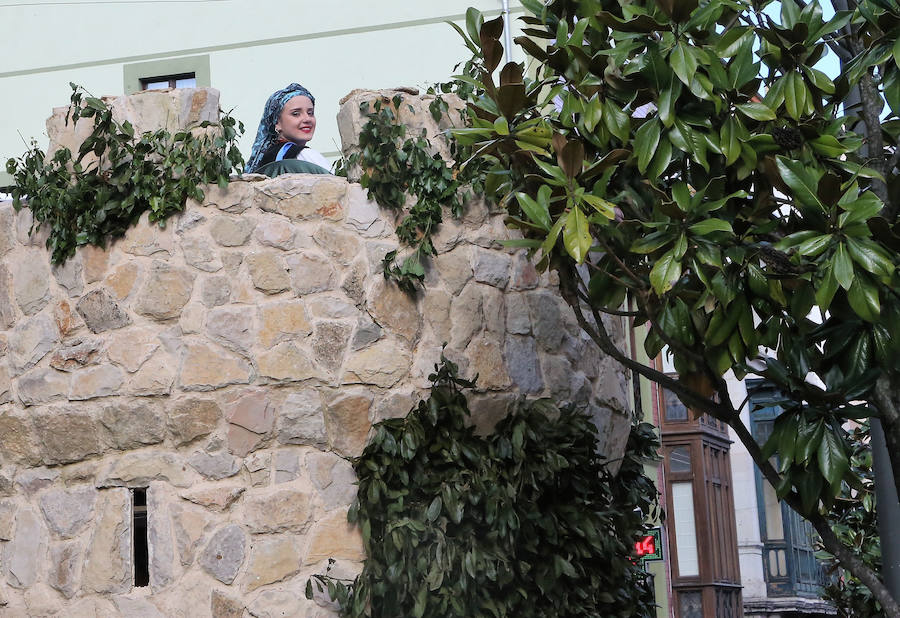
(184, 72)
(184, 80)
(139, 537)
(789, 560)
(685, 529)
(675, 410)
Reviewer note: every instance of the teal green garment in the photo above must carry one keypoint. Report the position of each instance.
(290, 166)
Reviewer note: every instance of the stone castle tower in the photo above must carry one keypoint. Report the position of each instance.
(177, 410)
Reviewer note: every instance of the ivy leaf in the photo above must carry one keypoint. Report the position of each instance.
(434, 509)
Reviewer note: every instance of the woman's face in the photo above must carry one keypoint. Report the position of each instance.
(297, 121)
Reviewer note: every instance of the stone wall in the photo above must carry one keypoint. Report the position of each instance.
(230, 364)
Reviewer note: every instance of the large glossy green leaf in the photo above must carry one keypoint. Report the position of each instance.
(863, 297)
(866, 206)
(827, 288)
(552, 237)
(842, 267)
(708, 226)
(803, 181)
(729, 142)
(660, 161)
(682, 194)
(870, 256)
(796, 95)
(646, 138)
(833, 460)
(819, 79)
(668, 96)
(665, 273)
(808, 483)
(828, 145)
(731, 41)
(757, 111)
(576, 235)
(616, 121)
(536, 211)
(811, 247)
(683, 62)
(602, 206)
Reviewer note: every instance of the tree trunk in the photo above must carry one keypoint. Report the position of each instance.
(887, 400)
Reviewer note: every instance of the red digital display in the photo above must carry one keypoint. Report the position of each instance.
(646, 546)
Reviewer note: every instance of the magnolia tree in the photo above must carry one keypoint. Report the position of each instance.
(694, 167)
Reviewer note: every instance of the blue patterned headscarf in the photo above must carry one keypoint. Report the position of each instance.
(266, 135)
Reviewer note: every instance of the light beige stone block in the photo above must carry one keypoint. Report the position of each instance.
(283, 320)
(267, 272)
(107, 568)
(272, 559)
(166, 290)
(347, 422)
(334, 537)
(206, 367)
(121, 280)
(383, 364)
(286, 510)
(394, 309)
(286, 362)
(300, 197)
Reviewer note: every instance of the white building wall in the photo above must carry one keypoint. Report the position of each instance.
(743, 474)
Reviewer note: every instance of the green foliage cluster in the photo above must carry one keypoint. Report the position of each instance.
(402, 174)
(116, 175)
(690, 165)
(854, 522)
(525, 522)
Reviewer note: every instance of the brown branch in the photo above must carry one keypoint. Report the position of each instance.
(724, 410)
(597, 332)
(618, 312)
(674, 345)
(844, 554)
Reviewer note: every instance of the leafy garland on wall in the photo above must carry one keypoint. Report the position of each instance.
(525, 522)
(117, 175)
(398, 170)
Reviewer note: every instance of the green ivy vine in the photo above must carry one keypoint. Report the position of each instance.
(91, 199)
(525, 522)
(399, 170)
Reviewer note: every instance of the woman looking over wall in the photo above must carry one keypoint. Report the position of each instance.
(288, 123)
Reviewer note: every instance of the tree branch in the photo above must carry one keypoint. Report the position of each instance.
(601, 337)
(886, 396)
(846, 557)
